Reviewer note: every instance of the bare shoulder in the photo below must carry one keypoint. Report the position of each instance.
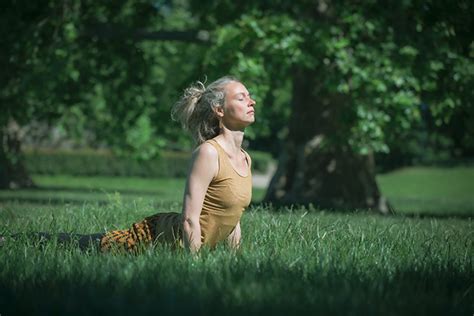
(205, 155)
(205, 151)
(205, 161)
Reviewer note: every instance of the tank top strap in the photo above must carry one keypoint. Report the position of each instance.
(247, 158)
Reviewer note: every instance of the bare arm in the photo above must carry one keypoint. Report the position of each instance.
(234, 238)
(204, 167)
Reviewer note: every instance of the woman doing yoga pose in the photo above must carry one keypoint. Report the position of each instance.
(219, 183)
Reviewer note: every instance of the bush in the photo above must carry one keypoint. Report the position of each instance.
(103, 163)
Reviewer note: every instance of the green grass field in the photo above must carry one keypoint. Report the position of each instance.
(419, 261)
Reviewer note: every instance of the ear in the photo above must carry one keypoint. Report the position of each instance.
(219, 111)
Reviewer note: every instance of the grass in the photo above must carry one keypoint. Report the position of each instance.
(294, 262)
(69, 189)
(429, 190)
(415, 191)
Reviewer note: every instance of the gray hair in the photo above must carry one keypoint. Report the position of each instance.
(195, 110)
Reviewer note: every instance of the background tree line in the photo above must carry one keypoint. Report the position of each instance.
(337, 82)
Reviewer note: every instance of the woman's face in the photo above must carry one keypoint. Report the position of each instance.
(238, 110)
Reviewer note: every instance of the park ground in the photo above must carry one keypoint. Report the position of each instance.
(296, 260)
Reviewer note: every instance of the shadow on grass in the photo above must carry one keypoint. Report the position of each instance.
(47, 201)
(94, 190)
(53, 201)
(57, 195)
(435, 215)
(272, 289)
(102, 197)
(466, 213)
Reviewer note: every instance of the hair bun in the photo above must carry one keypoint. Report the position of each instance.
(195, 110)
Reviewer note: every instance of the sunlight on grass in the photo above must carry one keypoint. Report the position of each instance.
(430, 190)
(297, 260)
(410, 190)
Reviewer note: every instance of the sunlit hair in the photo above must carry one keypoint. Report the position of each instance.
(195, 110)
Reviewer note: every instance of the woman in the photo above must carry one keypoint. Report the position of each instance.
(219, 184)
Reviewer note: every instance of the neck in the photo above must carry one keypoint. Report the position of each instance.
(232, 140)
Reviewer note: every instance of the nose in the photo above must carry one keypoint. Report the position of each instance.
(252, 101)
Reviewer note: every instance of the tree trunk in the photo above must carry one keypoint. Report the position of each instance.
(311, 170)
(13, 173)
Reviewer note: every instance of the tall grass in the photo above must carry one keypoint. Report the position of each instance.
(299, 261)
(296, 261)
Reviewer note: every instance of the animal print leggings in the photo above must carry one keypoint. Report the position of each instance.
(161, 227)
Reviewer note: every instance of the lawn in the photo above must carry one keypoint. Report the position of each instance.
(431, 191)
(295, 262)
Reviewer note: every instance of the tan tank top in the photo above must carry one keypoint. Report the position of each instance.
(227, 196)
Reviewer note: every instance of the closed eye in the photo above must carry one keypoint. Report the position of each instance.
(241, 96)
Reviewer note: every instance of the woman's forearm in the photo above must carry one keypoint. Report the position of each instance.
(192, 235)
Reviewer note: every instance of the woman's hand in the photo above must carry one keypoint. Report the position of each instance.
(234, 238)
(204, 167)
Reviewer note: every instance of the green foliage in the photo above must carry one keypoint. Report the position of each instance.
(80, 67)
(261, 161)
(386, 67)
(423, 148)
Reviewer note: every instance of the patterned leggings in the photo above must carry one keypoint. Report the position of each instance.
(161, 227)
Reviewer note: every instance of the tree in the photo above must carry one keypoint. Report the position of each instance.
(358, 73)
(86, 67)
(340, 80)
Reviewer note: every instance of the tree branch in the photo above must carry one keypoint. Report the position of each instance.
(114, 32)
